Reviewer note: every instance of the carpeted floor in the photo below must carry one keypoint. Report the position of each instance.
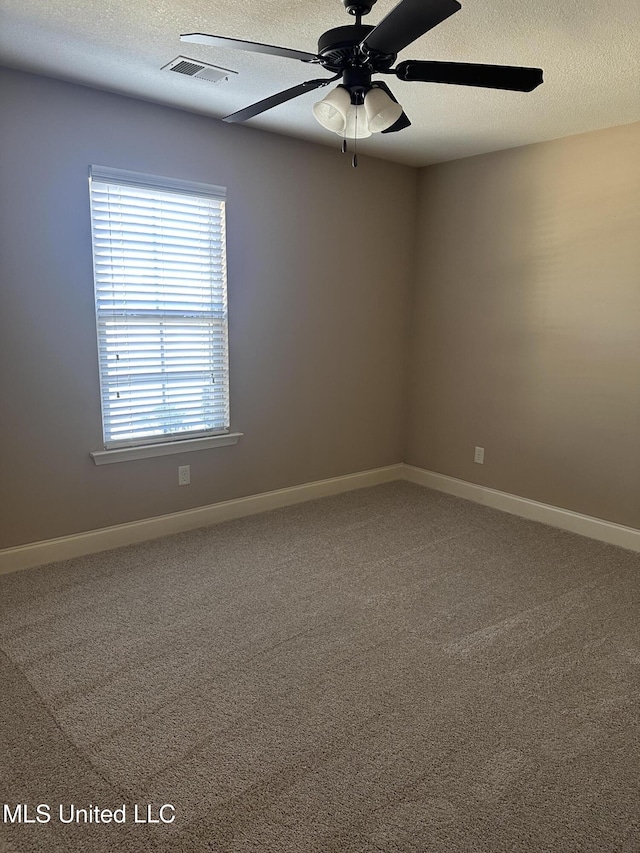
(391, 669)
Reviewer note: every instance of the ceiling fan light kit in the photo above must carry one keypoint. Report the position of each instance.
(337, 112)
(359, 105)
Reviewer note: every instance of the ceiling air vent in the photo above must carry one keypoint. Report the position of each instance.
(195, 68)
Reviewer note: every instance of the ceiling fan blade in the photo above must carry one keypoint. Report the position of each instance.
(509, 77)
(275, 100)
(409, 20)
(252, 46)
(400, 124)
(380, 84)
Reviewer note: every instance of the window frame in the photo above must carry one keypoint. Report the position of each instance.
(167, 442)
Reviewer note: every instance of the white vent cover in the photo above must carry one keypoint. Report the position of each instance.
(196, 68)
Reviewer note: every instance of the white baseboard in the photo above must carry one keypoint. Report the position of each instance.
(585, 525)
(51, 550)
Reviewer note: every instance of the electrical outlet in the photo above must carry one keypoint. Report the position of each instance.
(184, 475)
(479, 455)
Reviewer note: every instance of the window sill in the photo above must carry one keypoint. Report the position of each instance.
(126, 454)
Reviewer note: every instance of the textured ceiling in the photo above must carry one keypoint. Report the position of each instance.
(589, 52)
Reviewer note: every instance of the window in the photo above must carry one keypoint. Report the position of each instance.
(161, 307)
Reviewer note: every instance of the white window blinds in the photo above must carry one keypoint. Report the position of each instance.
(161, 307)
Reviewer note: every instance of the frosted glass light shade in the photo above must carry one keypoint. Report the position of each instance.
(357, 125)
(332, 110)
(381, 110)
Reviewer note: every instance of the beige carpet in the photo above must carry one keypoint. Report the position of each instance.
(388, 670)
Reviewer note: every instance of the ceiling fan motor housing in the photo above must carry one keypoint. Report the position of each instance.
(339, 49)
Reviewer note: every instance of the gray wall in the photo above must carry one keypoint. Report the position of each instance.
(319, 261)
(518, 330)
(526, 323)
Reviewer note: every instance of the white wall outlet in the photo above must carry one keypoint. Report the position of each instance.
(184, 475)
(479, 455)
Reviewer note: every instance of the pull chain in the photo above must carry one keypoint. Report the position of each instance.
(354, 161)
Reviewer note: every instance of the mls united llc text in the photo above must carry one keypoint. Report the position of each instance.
(70, 813)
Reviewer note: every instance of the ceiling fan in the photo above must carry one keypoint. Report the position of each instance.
(360, 106)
